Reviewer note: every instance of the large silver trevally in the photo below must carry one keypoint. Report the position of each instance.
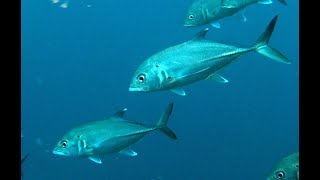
(202, 12)
(195, 60)
(111, 135)
(287, 168)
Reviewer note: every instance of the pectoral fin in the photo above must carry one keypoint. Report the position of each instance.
(128, 152)
(95, 159)
(218, 78)
(216, 25)
(179, 91)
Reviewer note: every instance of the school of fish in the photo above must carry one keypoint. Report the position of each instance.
(170, 70)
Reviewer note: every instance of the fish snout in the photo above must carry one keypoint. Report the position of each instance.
(132, 88)
(137, 89)
(58, 152)
(187, 24)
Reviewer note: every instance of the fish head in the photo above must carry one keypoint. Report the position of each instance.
(278, 174)
(67, 146)
(198, 14)
(285, 173)
(148, 77)
(287, 168)
(194, 15)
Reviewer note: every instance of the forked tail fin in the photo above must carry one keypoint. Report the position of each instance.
(262, 47)
(162, 123)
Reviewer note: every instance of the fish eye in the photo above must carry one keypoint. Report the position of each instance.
(141, 78)
(191, 16)
(280, 174)
(64, 143)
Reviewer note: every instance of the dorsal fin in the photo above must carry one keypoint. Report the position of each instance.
(120, 114)
(200, 35)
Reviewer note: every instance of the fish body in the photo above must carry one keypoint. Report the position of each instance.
(287, 168)
(112, 135)
(189, 62)
(202, 12)
(195, 60)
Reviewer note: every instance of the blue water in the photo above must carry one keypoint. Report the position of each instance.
(77, 64)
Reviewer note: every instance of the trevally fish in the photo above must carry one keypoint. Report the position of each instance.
(111, 135)
(286, 168)
(202, 12)
(65, 3)
(195, 60)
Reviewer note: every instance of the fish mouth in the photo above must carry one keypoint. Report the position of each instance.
(58, 153)
(132, 89)
(188, 25)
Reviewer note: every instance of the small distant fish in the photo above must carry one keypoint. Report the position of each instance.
(22, 160)
(111, 135)
(39, 141)
(63, 3)
(196, 60)
(287, 168)
(202, 12)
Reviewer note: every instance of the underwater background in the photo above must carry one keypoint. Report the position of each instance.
(76, 66)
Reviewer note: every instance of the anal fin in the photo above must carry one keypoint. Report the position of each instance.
(218, 78)
(179, 91)
(95, 159)
(128, 152)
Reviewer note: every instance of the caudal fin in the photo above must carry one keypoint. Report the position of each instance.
(162, 123)
(262, 47)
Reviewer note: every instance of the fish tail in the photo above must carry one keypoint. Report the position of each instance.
(262, 47)
(162, 123)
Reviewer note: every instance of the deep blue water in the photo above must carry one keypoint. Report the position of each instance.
(77, 64)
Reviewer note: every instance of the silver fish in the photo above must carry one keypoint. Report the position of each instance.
(286, 168)
(202, 12)
(111, 135)
(196, 60)
(63, 3)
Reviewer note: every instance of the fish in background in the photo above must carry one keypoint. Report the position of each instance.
(287, 168)
(202, 12)
(65, 3)
(62, 4)
(22, 161)
(195, 60)
(111, 135)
